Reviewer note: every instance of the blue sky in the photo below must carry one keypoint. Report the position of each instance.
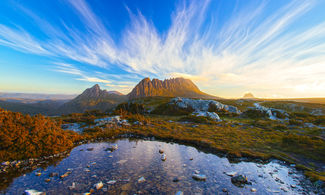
(270, 48)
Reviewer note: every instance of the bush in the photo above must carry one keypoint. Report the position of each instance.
(133, 108)
(295, 122)
(25, 136)
(196, 119)
(253, 113)
(172, 110)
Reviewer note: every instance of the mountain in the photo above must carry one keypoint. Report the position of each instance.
(93, 98)
(175, 87)
(248, 96)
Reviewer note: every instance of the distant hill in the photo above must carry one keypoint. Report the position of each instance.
(248, 96)
(176, 87)
(36, 96)
(46, 107)
(93, 98)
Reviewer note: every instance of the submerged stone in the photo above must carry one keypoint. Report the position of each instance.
(199, 177)
(240, 179)
(141, 179)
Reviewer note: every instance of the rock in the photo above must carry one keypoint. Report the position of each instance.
(73, 186)
(175, 179)
(199, 177)
(161, 151)
(54, 174)
(253, 190)
(90, 149)
(163, 157)
(87, 170)
(293, 186)
(179, 193)
(47, 180)
(38, 173)
(111, 182)
(191, 158)
(121, 161)
(231, 173)
(141, 179)
(224, 190)
(7, 163)
(33, 192)
(240, 179)
(112, 148)
(99, 185)
(196, 172)
(65, 174)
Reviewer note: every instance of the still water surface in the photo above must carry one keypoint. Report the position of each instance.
(120, 171)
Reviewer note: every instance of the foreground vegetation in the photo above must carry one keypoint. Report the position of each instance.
(25, 136)
(250, 135)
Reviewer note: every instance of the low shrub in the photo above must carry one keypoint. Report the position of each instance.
(171, 109)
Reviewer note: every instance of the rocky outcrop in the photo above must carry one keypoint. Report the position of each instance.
(204, 105)
(168, 88)
(206, 108)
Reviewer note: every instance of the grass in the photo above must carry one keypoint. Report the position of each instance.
(262, 139)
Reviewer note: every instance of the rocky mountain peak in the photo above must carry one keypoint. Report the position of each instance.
(167, 88)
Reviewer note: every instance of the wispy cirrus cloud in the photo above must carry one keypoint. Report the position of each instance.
(249, 51)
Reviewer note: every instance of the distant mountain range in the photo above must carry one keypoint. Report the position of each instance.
(95, 98)
(36, 96)
(176, 87)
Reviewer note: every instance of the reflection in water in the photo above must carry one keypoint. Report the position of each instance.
(120, 171)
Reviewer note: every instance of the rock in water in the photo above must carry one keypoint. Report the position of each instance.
(231, 173)
(99, 185)
(141, 179)
(161, 151)
(179, 193)
(199, 177)
(111, 182)
(240, 179)
(33, 192)
(163, 157)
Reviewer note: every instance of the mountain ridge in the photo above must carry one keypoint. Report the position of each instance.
(173, 87)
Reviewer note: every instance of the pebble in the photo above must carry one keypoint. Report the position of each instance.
(33, 192)
(90, 149)
(73, 186)
(161, 151)
(293, 186)
(163, 157)
(111, 182)
(179, 193)
(199, 177)
(176, 179)
(47, 180)
(224, 190)
(253, 190)
(141, 179)
(99, 185)
(196, 172)
(231, 173)
(38, 173)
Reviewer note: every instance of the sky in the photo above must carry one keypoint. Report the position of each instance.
(274, 49)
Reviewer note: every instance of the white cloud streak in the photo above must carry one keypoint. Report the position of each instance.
(250, 51)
